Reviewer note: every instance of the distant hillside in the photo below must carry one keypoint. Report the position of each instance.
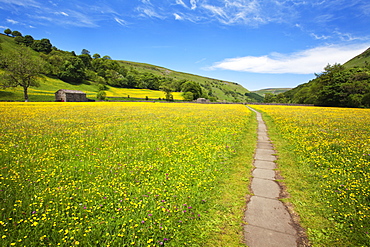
(262, 92)
(362, 60)
(95, 73)
(346, 85)
(222, 90)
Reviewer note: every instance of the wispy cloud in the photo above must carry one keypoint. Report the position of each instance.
(120, 21)
(61, 13)
(12, 21)
(23, 3)
(149, 12)
(178, 17)
(180, 2)
(201, 60)
(193, 4)
(349, 36)
(316, 36)
(303, 62)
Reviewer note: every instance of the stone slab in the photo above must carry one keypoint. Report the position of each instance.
(260, 237)
(269, 214)
(260, 155)
(264, 173)
(264, 164)
(264, 145)
(264, 152)
(265, 188)
(261, 128)
(262, 138)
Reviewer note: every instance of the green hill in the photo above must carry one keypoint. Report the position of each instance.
(222, 90)
(262, 92)
(346, 85)
(362, 60)
(112, 76)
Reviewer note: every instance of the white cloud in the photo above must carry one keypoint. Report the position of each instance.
(150, 12)
(24, 3)
(120, 21)
(12, 21)
(249, 12)
(217, 11)
(178, 17)
(349, 36)
(180, 2)
(320, 36)
(61, 13)
(193, 4)
(304, 62)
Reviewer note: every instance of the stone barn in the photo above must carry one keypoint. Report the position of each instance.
(64, 95)
(202, 100)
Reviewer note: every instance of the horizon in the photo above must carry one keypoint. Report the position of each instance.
(259, 45)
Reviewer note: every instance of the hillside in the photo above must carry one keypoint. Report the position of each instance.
(262, 92)
(117, 78)
(222, 90)
(362, 60)
(346, 85)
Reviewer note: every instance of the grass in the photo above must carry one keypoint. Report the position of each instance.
(262, 92)
(324, 158)
(119, 174)
(218, 87)
(45, 93)
(223, 90)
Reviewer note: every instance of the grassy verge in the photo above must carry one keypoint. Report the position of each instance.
(323, 156)
(229, 210)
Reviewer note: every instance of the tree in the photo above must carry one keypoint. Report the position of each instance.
(86, 59)
(188, 96)
(16, 33)
(101, 95)
(28, 40)
(73, 70)
(168, 92)
(191, 86)
(19, 40)
(85, 52)
(43, 45)
(21, 69)
(269, 98)
(7, 31)
(96, 55)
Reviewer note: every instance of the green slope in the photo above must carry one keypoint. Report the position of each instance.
(262, 92)
(361, 60)
(222, 90)
(346, 85)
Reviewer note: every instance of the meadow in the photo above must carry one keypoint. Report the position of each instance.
(124, 174)
(48, 87)
(324, 156)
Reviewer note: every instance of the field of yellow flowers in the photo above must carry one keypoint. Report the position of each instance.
(324, 155)
(118, 174)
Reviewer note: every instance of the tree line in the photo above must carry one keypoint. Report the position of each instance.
(335, 86)
(76, 69)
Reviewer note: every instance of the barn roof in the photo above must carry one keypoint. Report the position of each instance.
(70, 91)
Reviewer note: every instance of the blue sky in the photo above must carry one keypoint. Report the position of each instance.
(256, 43)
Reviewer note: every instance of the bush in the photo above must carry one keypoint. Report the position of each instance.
(101, 95)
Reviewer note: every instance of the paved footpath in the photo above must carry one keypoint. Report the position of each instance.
(268, 221)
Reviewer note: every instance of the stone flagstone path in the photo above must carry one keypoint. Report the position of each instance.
(268, 221)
